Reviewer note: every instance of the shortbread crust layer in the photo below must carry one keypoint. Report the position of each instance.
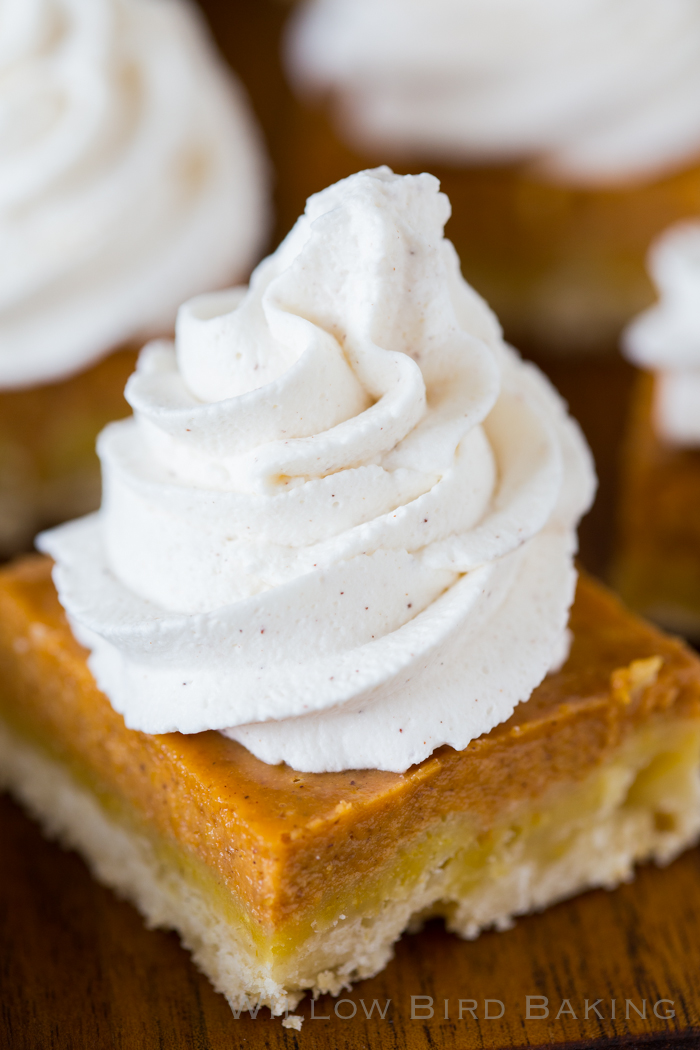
(281, 881)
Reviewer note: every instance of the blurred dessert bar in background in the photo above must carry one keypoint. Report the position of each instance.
(132, 177)
(657, 569)
(566, 135)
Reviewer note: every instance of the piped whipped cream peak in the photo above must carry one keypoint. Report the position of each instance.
(132, 177)
(666, 338)
(340, 526)
(589, 91)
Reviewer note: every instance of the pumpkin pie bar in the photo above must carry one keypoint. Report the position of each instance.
(658, 564)
(280, 881)
(120, 198)
(560, 173)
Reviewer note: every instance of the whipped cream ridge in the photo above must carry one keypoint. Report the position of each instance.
(340, 526)
(132, 177)
(589, 91)
(666, 338)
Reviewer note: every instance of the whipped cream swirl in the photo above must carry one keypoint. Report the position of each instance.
(341, 523)
(666, 338)
(131, 177)
(590, 91)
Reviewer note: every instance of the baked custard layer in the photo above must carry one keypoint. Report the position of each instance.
(281, 881)
(657, 569)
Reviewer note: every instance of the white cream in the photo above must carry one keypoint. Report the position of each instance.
(131, 177)
(341, 523)
(666, 338)
(590, 91)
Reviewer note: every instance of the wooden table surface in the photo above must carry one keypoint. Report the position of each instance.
(78, 970)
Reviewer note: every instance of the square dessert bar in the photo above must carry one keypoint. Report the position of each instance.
(280, 881)
(657, 568)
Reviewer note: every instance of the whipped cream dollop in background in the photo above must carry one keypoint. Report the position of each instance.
(341, 524)
(590, 91)
(132, 177)
(666, 338)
